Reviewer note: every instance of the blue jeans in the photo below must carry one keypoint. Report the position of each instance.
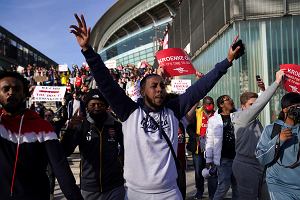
(225, 179)
(212, 182)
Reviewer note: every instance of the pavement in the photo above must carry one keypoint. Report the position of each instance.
(74, 161)
(190, 175)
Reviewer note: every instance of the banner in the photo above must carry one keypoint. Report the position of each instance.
(49, 93)
(110, 64)
(180, 85)
(291, 81)
(63, 68)
(175, 62)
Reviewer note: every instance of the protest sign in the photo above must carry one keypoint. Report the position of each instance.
(110, 64)
(63, 68)
(49, 93)
(20, 69)
(133, 91)
(175, 62)
(40, 78)
(291, 81)
(180, 85)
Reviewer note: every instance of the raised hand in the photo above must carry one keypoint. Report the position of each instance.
(160, 71)
(261, 85)
(81, 32)
(232, 53)
(279, 75)
(199, 75)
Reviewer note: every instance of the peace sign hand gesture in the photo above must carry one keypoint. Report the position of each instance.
(81, 32)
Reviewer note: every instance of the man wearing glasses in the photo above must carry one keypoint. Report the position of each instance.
(278, 150)
(220, 146)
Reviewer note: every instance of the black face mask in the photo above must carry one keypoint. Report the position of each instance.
(98, 117)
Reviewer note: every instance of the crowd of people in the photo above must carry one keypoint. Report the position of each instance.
(133, 146)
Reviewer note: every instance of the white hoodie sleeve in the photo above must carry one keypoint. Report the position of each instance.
(209, 147)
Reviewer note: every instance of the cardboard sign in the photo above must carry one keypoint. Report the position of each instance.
(49, 93)
(291, 81)
(175, 62)
(63, 68)
(180, 85)
(40, 78)
(110, 64)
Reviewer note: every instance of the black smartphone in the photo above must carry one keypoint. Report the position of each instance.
(241, 51)
(258, 78)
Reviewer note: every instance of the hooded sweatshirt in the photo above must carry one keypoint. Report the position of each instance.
(149, 166)
(278, 177)
(23, 167)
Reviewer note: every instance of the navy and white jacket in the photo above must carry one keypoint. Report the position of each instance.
(149, 166)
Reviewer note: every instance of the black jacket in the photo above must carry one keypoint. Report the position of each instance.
(101, 153)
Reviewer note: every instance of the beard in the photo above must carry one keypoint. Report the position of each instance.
(152, 104)
(14, 108)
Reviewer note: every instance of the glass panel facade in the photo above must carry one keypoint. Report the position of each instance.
(133, 42)
(15, 51)
(135, 58)
(121, 49)
(283, 43)
(269, 43)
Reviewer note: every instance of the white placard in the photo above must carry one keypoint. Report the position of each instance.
(63, 68)
(110, 64)
(180, 85)
(49, 93)
(20, 69)
(134, 92)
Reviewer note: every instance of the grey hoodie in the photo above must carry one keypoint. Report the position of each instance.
(247, 127)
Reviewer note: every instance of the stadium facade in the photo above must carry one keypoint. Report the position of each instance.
(270, 30)
(15, 51)
(129, 31)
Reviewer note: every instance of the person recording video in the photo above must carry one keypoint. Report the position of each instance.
(278, 150)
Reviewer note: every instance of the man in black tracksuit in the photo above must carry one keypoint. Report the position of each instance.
(100, 141)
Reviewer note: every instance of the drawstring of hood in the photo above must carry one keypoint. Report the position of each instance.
(17, 157)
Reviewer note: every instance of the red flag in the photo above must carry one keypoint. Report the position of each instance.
(292, 77)
(175, 62)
